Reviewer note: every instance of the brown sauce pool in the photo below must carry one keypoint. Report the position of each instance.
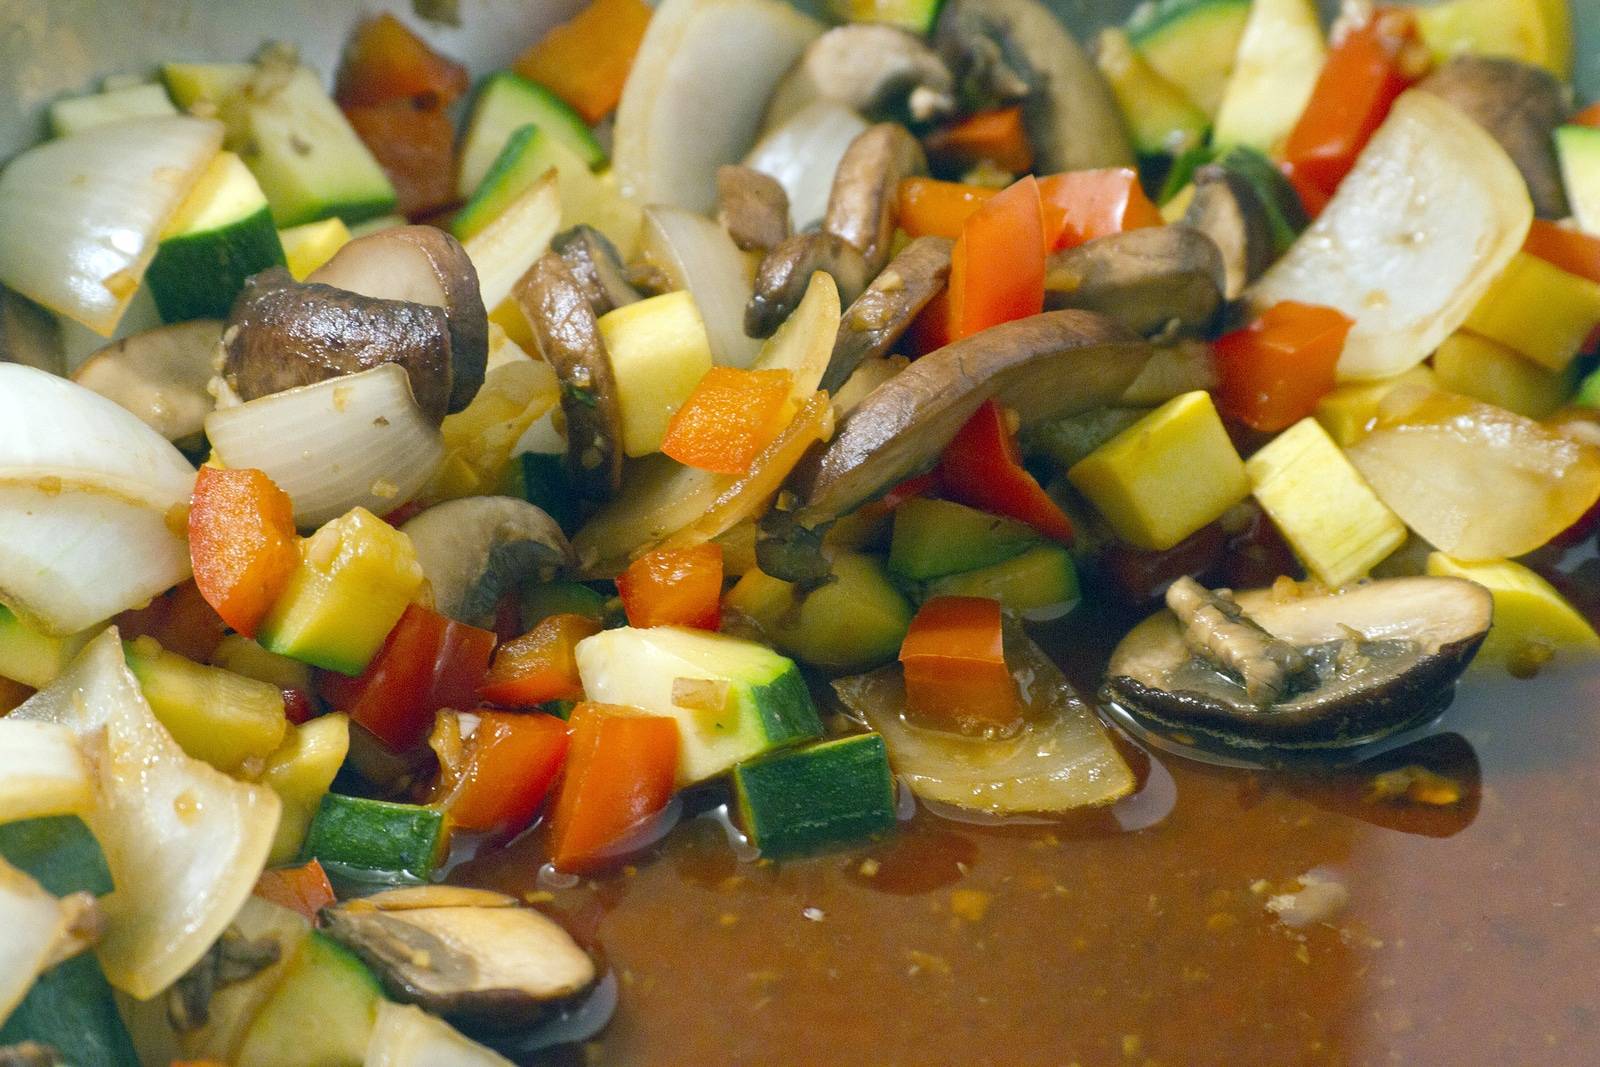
(1470, 935)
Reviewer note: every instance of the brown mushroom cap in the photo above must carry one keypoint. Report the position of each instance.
(862, 201)
(1380, 654)
(1520, 105)
(885, 310)
(752, 207)
(597, 266)
(870, 68)
(1226, 209)
(786, 271)
(476, 549)
(1146, 279)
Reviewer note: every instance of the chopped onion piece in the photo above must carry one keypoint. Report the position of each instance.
(183, 841)
(35, 924)
(698, 255)
(41, 771)
(503, 250)
(803, 153)
(80, 216)
(360, 440)
(407, 1036)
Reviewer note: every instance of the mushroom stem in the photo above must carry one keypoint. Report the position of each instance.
(1216, 628)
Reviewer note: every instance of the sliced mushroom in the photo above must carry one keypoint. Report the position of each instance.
(869, 68)
(1352, 665)
(568, 337)
(160, 375)
(283, 333)
(1226, 209)
(882, 314)
(1520, 105)
(596, 265)
(421, 265)
(1018, 49)
(476, 549)
(861, 204)
(1150, 280)
(752, 207)
(1045, 366)
(500, 966)
(29, 334)
(786, 271)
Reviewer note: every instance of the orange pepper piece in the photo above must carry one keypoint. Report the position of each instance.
(997, 137)
(1082, 205)
(415, 146)
(242, 543)
(955, 668)
(1572, 250)
(541, 665)
(514, 759)
(386, 61)
(1275, 370)
(586, 60)
(729, 418)
(928, 207)
(622, 767)
(997, 266)
(304, 889)
(674, 587)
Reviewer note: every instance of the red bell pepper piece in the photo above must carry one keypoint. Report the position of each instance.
(299, 706)
(512, 761)
(385, 62)
(997, 266)
(1589, 116)
(427, 662)
(955, 668)
(729, 418)
(930, 330)
(674, 587)
(1366, 71)
(983, 468)
(180, 619)
(1572, 250)
(242, 543)
(622, 767)
(586, 59)
(415, 146)
(927, 207)
(1275, 370)
(996, 137)
(539, 666)
(1138, 576)
(1081, 205)
(304, 889)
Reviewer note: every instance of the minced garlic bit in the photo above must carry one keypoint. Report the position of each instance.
(1416, 784)
(970, 904)
(869, 868)
(815, 915)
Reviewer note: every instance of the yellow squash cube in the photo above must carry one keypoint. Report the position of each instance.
(301, 772)
(659, 352)
(1489, 371)
(309, 246)
(1350, 411)
(1539, 310)
(1529, 615)
(1166, 476)
(1330, 516)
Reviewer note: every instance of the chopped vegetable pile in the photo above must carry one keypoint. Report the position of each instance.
(706, 426)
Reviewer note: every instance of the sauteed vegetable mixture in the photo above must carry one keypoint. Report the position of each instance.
(697, 421)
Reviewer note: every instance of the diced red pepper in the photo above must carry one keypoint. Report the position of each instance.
(586, 59)
(983, 468)
(622, 767)
(1589, 116)
(304, 889)
(1366, 71)
(540, 666)
(299, 706)
(930, 330)
(731, 415)
(1573, 251)
(1137, 576)
(1275, 370)
(415, 146)
(955, 667)
(1082, 205)
(996, 137)
(386, 62)
(427, 662)
(242, 543)
(180, 619)
(997, 266)
(674, 587)
(927, 207)
(512, 761)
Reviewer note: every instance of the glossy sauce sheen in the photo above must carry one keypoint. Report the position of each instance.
(1471, 935)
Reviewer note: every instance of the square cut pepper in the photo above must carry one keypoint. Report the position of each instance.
(955, 667)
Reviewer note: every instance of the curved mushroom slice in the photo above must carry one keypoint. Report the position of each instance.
(785, 273)
(882, 314)
(1226, 209)
(29, 334)
(1520, 105)
(861, 204)
(477, 548)
(1365, 661)
(752, 207)
(421, 265)
(568, 337)
(597, 266)
(160, 375)
(1149, 280)
(500, 966)
(1017, 48)
(1046, 366)
(869, 68)
(283, 333)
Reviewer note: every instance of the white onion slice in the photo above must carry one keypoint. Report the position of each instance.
(803, 153)
(183, 841)
(803, 345)
(34, 923)
(41, 771)
(80, 216)
(696, 93)
(698, 255)
(503, 250)
(1432, 212)
(359, 440)
(407, 1036)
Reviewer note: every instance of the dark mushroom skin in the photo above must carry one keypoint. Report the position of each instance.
(1226, 209)
(862, 201)
(568, 337)
(752, 207)
(1520, 105)
(476, 549)
(597, 266)
(1378, 656)
(282, 333)
(1151, 279)
(885, 310)
(785, 272)
(1018, 49)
